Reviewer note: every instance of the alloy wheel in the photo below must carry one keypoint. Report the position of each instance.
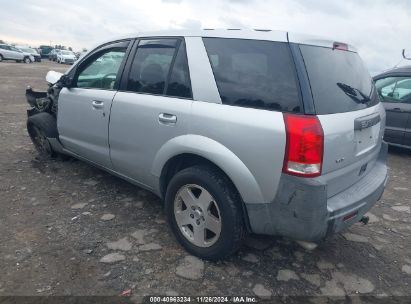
(197, 215)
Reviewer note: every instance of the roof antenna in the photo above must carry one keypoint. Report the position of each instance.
(403, 55)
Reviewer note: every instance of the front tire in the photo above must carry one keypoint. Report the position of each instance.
(204, 212)
(27, 60)
(40, 127)
(1, 58)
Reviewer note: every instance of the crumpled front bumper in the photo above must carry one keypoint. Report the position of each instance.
(302, 211)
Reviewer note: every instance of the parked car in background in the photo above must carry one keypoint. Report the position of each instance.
(53, 54)
(8, 52)
(238, 131)
(28, 50)
(64, 56)
(394, 90)
(81, 54)
(45, 50)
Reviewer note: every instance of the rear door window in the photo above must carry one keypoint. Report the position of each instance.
(254, 73)
(160, 67)
(339, 80)
(179, 82)
(394, 89)
(151, 66)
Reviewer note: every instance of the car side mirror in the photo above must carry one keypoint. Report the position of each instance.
(66, 81)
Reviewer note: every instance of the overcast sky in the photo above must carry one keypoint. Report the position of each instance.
(379, 29)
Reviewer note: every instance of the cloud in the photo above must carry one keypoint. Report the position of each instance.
(379, 29)
(337, 8)
(191, 24)
(172, 1)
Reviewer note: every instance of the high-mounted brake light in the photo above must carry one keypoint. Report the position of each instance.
(305, 145)
(340, 46)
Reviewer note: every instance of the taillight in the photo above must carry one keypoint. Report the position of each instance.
(305, 145)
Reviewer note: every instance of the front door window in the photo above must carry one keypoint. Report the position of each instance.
(102, 72)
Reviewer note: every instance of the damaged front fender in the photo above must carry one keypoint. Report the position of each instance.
(45, 101)
(39, 101)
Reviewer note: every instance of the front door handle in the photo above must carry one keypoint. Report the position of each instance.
(97, 104)
(167, 118)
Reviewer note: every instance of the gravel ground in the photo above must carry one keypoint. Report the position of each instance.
(68, 228)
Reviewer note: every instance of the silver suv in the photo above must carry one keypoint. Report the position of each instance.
(239, 131)
(10, 52)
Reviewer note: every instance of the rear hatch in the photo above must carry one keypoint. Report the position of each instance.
(348, 108)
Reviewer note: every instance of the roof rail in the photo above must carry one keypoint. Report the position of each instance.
(262, 30)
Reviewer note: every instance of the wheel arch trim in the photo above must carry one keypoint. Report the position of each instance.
(214, 152)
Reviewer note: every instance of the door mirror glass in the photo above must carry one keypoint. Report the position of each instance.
(52, 77)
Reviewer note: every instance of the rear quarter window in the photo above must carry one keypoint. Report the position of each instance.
(339, 80)
(255, 74)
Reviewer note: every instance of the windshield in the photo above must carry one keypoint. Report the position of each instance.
(66, 53)
(339, 80)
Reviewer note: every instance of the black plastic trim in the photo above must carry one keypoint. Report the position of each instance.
(170, 70)
(305, 87)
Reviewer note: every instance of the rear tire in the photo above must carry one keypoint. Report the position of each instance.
(1, 58)
(40, 127)
(212, 202)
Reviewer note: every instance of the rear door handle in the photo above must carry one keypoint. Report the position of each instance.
(397, 110)
(97, 104)
(167, 118)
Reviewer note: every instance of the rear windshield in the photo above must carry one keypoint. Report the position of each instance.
(339, 80)
(253, 73)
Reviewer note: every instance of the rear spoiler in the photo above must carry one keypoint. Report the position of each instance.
(318, 41)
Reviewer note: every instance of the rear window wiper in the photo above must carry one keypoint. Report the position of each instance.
(353, 93)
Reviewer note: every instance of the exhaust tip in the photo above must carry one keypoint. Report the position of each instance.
(365, 220)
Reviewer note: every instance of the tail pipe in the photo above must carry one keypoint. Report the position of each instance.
(365, 220)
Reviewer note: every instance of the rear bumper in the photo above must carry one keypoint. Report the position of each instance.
(302, 211)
